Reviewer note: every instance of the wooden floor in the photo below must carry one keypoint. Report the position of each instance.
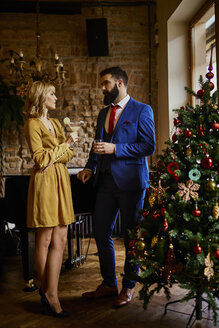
(19, 309)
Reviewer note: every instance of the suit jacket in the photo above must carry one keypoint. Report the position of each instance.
(134, 137)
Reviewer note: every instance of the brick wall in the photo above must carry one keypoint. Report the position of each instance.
(81, 97)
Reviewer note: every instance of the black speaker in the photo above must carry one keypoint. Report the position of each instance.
(97, 37)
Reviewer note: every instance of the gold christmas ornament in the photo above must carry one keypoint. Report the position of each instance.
(139, 245)
(214, 106)
(215, 210)
(188, 152)
(154, 241)
(188, 190)
(151, 199)
(208, 272)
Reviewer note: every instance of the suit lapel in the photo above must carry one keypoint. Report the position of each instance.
(103, 119)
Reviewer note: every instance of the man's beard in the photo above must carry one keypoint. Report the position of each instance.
(110, 97)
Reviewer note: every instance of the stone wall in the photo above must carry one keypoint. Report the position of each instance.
(81, 97)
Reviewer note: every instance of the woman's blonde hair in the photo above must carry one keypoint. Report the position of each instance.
(36, 97)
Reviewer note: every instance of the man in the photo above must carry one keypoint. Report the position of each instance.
(125, 134)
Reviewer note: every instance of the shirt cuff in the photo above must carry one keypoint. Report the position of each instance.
(86, 169)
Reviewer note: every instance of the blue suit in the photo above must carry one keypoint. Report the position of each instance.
(124, 188)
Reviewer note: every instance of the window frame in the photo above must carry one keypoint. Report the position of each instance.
(192, 23)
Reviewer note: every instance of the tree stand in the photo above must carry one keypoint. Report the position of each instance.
(197, 308)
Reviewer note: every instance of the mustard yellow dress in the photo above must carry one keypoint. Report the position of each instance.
(49, 195)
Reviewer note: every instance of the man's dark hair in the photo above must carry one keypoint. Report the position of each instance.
(117, 73)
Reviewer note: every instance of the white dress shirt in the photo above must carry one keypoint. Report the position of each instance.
(121, 105)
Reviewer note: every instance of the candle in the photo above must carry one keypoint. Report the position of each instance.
(63, 75)
(56, 59)
(12, 60)
(21, 55)
(38, 64)
(61, 66)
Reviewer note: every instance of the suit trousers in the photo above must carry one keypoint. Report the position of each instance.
(109, 200)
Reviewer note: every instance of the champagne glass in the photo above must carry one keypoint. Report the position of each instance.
(72, 126)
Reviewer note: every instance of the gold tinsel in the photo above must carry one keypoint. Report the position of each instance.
(216, 209)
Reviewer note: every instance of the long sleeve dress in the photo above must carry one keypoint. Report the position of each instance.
(49, 194)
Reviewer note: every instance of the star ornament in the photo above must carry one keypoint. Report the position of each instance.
(159, 191)
(188, 191)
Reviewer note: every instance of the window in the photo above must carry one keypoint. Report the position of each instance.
(203, 45)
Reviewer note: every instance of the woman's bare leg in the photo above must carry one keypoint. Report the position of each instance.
(54, 263)
(41, 253)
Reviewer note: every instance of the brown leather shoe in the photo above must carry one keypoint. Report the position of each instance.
(101, 291)
(124, 297)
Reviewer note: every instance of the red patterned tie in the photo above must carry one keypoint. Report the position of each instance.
(112, 118)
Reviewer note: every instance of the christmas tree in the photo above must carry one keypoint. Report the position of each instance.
(176, 240)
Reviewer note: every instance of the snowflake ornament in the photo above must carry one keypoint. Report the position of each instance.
(209, 271)
(188, 191)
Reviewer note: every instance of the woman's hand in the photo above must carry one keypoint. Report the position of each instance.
(72, 138)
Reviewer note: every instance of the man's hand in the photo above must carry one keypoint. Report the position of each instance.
(84, 175)
(101, 148)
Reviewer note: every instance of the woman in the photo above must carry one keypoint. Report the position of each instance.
(49, 208)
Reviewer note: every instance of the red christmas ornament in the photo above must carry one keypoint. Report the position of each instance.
(211, 85)
(209, 75)
(200, 93)
(215, 126)
(172, 166)
(156, 215)
(145, 213)
(174, 137)
(201, 130)
(162, 211)
(207, 162)
(187, 133)
(180, 131)
(170, 263)
(196, 212)
(198, 249)
(216, 253)
(165, 225)
(131, 243)
(175, 177)
(176, 121)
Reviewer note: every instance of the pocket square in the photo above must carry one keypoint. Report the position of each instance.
(126, 122)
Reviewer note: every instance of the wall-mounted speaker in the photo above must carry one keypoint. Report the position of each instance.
(97, 37)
